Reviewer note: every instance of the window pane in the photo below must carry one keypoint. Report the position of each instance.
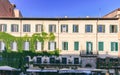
(76, 60)
(26, 28)
(89, 47)
(39, 60)
(101, 28)
(75, 28)
(14, 46)
(64, 28)
(52, 60)
(64, 60)
(52, 28)
(101, 46)
(52, 45)
(76, 45)
(3, 27)
(113, 29)
(65, 45)
(2, 46)
(26, 45)
(116, 46)
(14, 28)
(39, 27)
(88, 28)
(38, 45)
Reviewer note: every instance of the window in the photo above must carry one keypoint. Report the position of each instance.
(75, 28)
(26, 45)
(52, 60)
(88, 28)
(100, 46)
(26, 28)
(76, 46)
(114, 46)
(64, 45)
(3, 27)
(89, 47)
(2, 46)
(101, 28)
(113, 28)
(38, 45)
(76, 60)
(14, 28)
(38, 27)
(51, 45)
(64, 28)
(14, 46)
(26, 59)
(64, 60)
(52, 28)
(39, 60)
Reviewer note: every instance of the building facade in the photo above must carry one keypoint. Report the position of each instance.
(83, 42)
(78, 39)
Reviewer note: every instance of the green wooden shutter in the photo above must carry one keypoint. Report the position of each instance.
(73, 29)
(91, 46)
(100, 46)
(41, 28)
(112, 46)
(55, 45)
(87, 46)
(76, 45)
(48, 45)
(54, 28)
(66, 28)
(116, 29)
(66, 45)
(91, 26)
(5, 27)
(116, 46)
(36, 28)
(11, 27)
(63, 46)
(103, 28)
(17, 28)
(61, 28)
(110, 28)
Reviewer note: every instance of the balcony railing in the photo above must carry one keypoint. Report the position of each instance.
(84, 53)
(60, 65)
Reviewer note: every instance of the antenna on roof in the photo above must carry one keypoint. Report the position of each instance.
(99, 12)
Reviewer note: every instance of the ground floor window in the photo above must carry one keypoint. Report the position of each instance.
(39, 60)
(52, 60)
(76, 60)
(64, 60)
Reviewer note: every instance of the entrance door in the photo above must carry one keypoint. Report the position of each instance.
(89, 47)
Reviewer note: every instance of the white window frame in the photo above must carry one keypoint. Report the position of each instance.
(39, 28)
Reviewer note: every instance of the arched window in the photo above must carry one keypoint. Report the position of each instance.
(14, 46)
(26, 46)
(2, 46)
(38, 45)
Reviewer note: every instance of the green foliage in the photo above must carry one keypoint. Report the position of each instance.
(16, 59)
(42, 37)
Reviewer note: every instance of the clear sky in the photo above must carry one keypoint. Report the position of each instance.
(61, 8)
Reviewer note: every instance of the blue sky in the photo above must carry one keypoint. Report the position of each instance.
(61, 8)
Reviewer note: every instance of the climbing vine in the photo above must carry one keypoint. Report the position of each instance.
(15, 58)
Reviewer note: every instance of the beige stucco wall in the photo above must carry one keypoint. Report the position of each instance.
(71, 37)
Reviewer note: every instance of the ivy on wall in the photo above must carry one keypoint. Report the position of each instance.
(16, 59)
(42, 37)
